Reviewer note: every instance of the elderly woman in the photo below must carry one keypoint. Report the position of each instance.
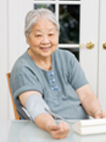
(47, 79)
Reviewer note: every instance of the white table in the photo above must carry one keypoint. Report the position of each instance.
(26, 131)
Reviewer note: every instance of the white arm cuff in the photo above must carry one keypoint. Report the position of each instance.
(35, 106)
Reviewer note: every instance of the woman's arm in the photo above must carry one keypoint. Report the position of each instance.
(90, 102)
(45, 121)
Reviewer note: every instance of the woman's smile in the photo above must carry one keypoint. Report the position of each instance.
(45, 49)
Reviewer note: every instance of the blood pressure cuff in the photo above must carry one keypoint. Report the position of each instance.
(35, 106)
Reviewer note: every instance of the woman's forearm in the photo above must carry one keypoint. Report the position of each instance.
(89, 101)
(43, 121)
(91, 105)
(47, 122)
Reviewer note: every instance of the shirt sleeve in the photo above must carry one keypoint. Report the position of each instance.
(25, 80)
(77, 77)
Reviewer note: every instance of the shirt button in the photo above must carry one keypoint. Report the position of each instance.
(52, 80)
(56, 87)
(52, 88)
(51, 73)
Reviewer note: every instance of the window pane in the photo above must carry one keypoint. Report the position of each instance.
(69, 18)
(75, 51)
(69, 0)
(44, 0)
(49, 6)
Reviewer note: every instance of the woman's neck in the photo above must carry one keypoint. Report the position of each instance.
(43, 62)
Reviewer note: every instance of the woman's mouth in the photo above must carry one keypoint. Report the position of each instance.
(45, 48)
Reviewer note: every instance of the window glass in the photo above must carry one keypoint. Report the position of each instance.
(49, 6)
(69, 0)
(69, 19)
(75, 51)
(44, 0)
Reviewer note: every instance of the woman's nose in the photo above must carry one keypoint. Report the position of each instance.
(45, 40)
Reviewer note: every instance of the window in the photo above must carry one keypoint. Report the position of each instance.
(68, 15)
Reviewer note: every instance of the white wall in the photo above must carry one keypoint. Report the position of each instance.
(3, 59)
(12, 15)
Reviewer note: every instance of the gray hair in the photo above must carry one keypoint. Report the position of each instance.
(33, 15)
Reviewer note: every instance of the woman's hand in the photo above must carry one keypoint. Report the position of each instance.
(99, 114)
(59, 131)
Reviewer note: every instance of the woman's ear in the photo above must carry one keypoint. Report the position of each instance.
(26, 37)
(27, 40)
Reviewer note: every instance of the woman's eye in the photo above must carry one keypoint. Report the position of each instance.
(38, 35)
(50, 34)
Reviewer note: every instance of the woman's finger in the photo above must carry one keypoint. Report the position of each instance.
(66, 127)
(98, 115)
(53, 127)
(62, 132)
(104, 114)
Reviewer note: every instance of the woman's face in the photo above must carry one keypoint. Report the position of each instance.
(43, 40)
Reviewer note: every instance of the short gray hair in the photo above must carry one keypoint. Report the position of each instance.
(33, 15)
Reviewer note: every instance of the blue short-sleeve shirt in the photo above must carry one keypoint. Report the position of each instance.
(58, 86)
